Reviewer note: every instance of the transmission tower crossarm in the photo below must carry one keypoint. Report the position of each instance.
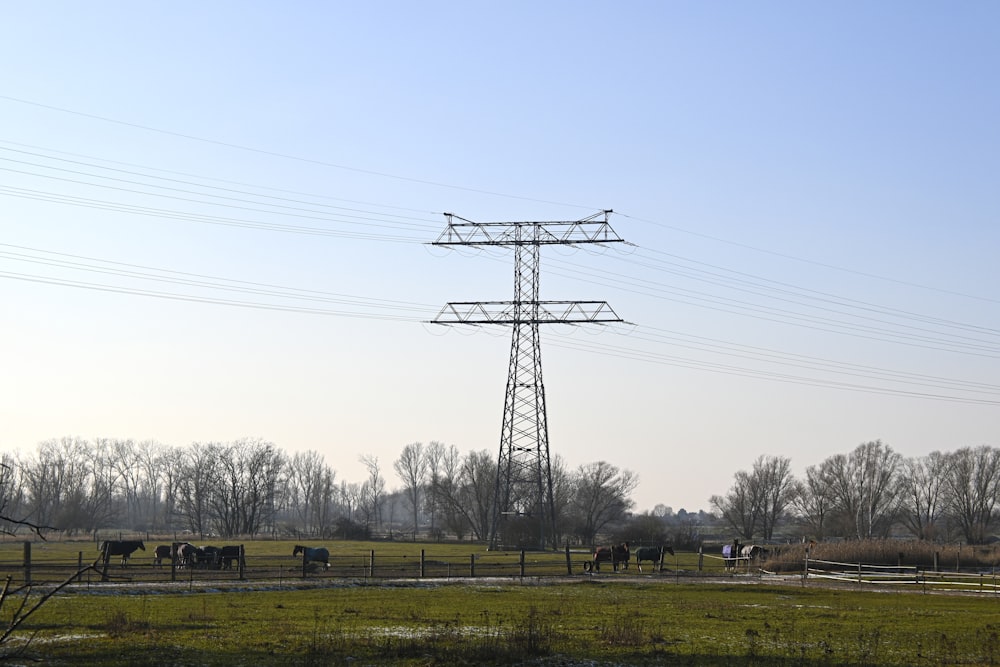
(512, 312)
(549, 233)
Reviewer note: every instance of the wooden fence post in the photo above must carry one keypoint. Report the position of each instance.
(27, 563)
(569, 562)
(701, 557)
(242, 565)
(522, 562)
(472, 565)
(422, 564)
(371, 563)
(105, 557)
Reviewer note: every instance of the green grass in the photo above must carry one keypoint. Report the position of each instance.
(569, 619)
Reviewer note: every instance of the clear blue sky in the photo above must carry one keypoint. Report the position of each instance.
(811, 191)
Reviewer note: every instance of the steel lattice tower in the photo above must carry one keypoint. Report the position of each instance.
(524, 472)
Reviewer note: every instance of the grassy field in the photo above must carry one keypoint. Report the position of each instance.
(564, 621)
(611, 618)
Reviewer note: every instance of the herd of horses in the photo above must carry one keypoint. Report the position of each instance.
(187, 555)
(619, 556)
(735, 553)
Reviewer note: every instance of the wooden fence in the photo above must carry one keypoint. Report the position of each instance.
(983, 581)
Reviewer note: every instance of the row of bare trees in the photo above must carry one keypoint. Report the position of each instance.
(249, 487)
(870, 492)
(455, 494)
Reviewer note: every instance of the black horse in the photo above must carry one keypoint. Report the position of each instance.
(231, 554)
(654, 554)
(123, 548)
(161, 553)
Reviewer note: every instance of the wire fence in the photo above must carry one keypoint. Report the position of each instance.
(34, 567)
(25, 564)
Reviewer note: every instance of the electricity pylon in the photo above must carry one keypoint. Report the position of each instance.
(524, 469)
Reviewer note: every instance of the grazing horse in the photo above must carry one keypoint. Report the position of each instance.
(313, 555)
(161, 552)
(123, 548)
(616, 554)
(654, 554)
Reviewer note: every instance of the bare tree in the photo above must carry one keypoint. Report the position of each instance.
(973, 484)
(199, 475)
(248, 473)
(434, 455)
(465, 492)
(562, 497)
(350, 497)
(740, 507)
(921, 494)
(411, 466)
(310, 484)
(12, 498)
(815, 500)
(170, 463)
(70, 482)
(372, 491)
(601, 496)
(865, 486)
(777, 490)
(477, 491)
(446, 488)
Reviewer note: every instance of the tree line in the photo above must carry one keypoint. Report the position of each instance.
(873, 491)
(250, 487)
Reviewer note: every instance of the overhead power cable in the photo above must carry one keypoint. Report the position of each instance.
(200, 218)
(796, 258)
(283, 203)
(285, 156)
(726, 369)
(892, 332)
(68, 261)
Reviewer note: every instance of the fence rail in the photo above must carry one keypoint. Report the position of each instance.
(902, 575)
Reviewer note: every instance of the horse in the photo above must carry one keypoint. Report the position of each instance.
(228, 554)
(313, 555)
(730, 554)
(616, 554)
(123, 548)
(753, 552)
(654, 554)
(161, 552)
(187, 554)
(210, 558)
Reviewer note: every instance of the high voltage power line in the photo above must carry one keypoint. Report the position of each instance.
(863, 319)
(374, 307)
